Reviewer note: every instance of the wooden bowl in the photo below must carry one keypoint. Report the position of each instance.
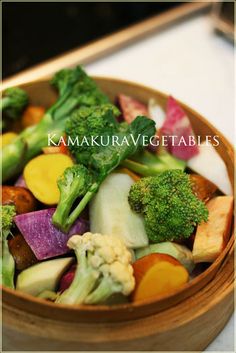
(187, 319)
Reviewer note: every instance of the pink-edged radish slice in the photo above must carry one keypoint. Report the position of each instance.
(210, 165)
(131, 108)
(178, 130)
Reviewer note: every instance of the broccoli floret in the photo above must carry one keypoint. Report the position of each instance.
(75, 89)
(13, 102)
(170, 209)
(150, 164)
(101, 159)
(7, 261)
(103, 269)
(75, 182)
(87, 123)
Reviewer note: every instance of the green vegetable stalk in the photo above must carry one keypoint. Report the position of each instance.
(168, 205)
(150, 164)
(7, 261)
(75, 89)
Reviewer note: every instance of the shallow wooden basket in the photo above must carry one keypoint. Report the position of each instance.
(186, 320)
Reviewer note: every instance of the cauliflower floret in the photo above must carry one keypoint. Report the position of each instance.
(108, 257)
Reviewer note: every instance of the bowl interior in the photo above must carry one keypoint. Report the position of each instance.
(41, 93)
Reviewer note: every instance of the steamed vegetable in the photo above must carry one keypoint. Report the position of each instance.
(211, 237)
(43, 276)
(67, 278)
(7, 261)
(146, 163)
(110, 212)
(74, 182)
(170, 209)
(157, 275)
(21, 252)
(178, 129)
(156, 112)
(87, 123)
(7, 138)
(210, 165)
(134, 176)
(44, 239)
(101, 160)
(20, 197)
(131, 108)
(41, 175)
(103, 269)
(12, 103)
(179, 252)
(20, 181)
(32, 115)
(75, 89)
(202, 188)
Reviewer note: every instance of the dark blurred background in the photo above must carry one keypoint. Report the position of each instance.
(34, 32)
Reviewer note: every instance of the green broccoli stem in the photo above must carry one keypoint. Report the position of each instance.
(12, 158)
(29, 143)
(61, 214)
(143, 169)
(104, 291)
(8, 266)
(83, 203)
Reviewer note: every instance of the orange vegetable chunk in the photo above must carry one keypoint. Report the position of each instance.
(157, 275)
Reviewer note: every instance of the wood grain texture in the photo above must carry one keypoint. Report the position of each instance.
(188, 319)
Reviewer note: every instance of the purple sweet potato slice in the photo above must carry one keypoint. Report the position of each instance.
(177, 125)
(131, 108)
(44, 239)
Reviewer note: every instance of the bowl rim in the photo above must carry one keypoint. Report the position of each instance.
(147, 302)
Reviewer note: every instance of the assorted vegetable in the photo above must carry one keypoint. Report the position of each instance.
(131, 215)
(99, 160)
(75, 88)
(178, 251)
